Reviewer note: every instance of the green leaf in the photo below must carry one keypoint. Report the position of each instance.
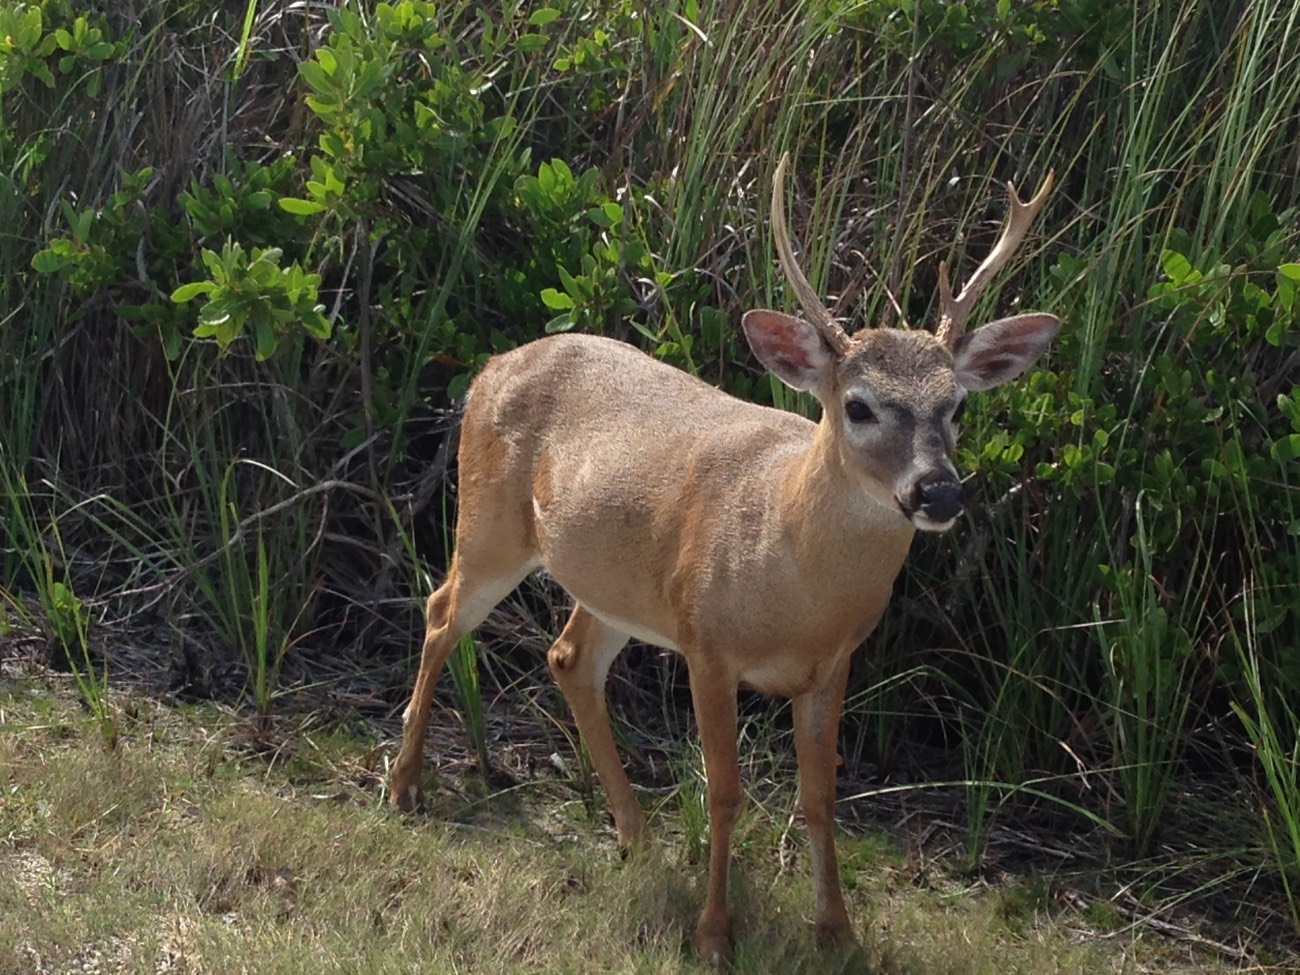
(187, 291)
(579, 289)
(29, 29)
(458, 385)
(271, 255)
(1286, 289)
(212, 261)
(1176, 266)
(562, 171)
(171, 342)
(644, 329)
(501, 126)
(1291, 271)
(214, 314)
(332, 145)
(227, 331)
(555, 299)
(316, 76)
(546, 181)
(542, 17)
(1286, 448)
(560, 323)
(264, 340)
(1290, 406)
(316, 324)
(49, 260)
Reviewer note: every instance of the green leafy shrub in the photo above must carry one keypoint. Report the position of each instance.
(251, 294)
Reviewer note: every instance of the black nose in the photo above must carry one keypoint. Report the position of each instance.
(939, 497)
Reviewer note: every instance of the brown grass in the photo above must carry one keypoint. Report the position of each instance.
(186, 851)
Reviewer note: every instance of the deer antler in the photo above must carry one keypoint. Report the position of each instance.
(955, 311)
(819, 315)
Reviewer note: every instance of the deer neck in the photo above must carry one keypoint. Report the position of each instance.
(831, 518)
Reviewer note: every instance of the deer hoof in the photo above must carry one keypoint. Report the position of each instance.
(404, 791)
(834, 933)
(713, 944)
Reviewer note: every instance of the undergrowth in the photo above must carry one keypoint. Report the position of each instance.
(253, 254)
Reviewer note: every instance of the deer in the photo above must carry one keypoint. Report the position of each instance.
(759, 545)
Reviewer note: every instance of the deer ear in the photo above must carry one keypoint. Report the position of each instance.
(790, 348)
(1002, 350)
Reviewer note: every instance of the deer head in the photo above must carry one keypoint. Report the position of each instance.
(892, 398)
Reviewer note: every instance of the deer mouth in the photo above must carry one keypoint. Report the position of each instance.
(927, 523)
(933, 504)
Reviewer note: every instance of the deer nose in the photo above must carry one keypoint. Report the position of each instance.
(939, 497)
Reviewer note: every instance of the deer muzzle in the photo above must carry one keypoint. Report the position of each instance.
(934, 502)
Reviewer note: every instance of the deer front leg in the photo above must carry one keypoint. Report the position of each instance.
(714, 697)
(816, 734)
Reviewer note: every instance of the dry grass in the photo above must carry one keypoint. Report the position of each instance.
(186, 851)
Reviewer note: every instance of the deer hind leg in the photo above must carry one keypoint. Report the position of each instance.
(580, 659)
(476, 581)
(816, 734)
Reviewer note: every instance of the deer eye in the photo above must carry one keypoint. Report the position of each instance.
(957, 413)
(858, 411)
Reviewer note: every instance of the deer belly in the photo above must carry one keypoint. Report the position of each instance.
(605, 557)
(635, 630)
(786, 676)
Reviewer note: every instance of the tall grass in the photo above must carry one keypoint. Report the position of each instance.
(1147, 658)
(1270, 720)
(50, 604)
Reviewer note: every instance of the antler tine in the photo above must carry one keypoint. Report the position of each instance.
(818, 314)
(955, 311)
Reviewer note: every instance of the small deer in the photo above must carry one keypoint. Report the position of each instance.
(758, 544)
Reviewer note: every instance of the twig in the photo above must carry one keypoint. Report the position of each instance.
(238, 535)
